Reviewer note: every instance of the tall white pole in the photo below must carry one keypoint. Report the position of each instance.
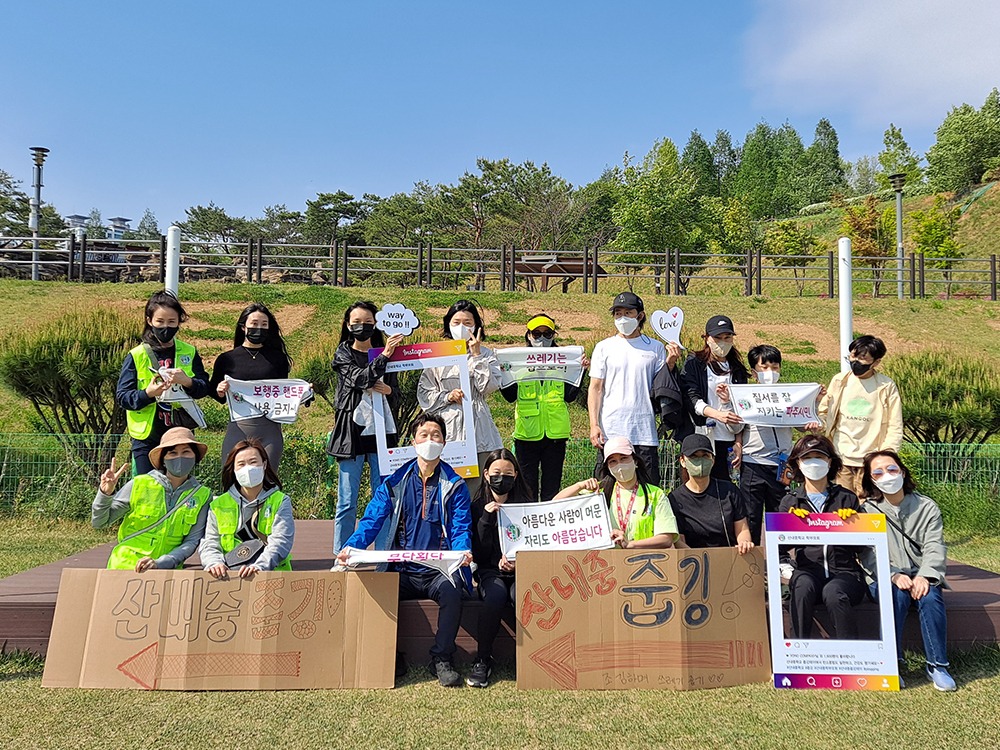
(173, 264)
(846, 291)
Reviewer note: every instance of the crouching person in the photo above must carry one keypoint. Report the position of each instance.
(427, 507)
(251, 527)
(162, 513)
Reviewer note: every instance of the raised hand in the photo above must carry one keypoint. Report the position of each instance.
(390, 345)
(109, 479)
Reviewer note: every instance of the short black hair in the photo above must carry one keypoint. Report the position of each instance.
(763, 354)
(165, 299)
(423, 419)
(873, 346)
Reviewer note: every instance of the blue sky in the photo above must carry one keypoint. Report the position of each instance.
(172, 104)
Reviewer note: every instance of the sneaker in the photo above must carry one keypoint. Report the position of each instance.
(445, 673)
(480, 675)
(942, 680)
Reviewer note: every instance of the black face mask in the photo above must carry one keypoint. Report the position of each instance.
(256, 335)
(165, 334)
(501, 484)
(860, 368)
(362, 331)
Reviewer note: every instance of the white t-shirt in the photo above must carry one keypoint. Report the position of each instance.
(627, 367)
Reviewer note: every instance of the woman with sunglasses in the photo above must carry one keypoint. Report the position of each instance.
(916, 556)
(541, 417)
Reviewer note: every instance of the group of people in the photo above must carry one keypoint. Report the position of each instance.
(639, 391)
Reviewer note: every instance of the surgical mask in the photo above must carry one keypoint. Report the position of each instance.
(179, 466)
(768, 377)
(164, 334)
(814, 468)
(501, 484)
(250, 476)
(860, 368)
(626, 326)
(256, 335)
(541, 342)
(362, 331)
(624, 472)
(720, 348)
(699, 467)
(428, 450)
(890, 484)
(460, 332)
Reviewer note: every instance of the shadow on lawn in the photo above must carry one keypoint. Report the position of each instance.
(20, 665)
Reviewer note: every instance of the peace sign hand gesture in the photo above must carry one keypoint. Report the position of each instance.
(110, 477)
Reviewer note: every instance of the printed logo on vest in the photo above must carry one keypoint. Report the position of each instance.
(185, 359)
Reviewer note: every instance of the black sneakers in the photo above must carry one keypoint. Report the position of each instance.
(480, 675)
(445, 672)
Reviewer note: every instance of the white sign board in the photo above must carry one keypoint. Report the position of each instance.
(278, 399)
(519, 363)
(579, 522)
(787, 405)
(395, 318)
(668, 324)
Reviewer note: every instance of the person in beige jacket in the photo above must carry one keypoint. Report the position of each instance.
(861, 411)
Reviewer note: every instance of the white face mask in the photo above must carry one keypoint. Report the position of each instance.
(626, 326)
(460, 332)
(768, 377)
(890, 484)
(624, 472)
(720, 348)
(250, 476)
(541, 342)
(428, 450)
(814, 468)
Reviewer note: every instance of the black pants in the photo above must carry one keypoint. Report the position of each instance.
(650, 455)
(841, 593)
(497, 592)
(762, 493)
(447, 592)
(720, 469)
(543, 458)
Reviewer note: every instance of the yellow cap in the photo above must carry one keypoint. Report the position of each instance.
(541, 320)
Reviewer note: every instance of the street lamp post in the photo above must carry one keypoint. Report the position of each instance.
(898, 180)
(39, 155)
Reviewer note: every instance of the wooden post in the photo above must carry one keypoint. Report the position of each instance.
(343, 268)
(830, 287)
(503, 267)
(748, 277)
(993, 278)
(430, 263)
(260, 260)
(420, 263)
(913, 275)
(83, 259)
(677, 271)
(923, 278)
(760, 266)
(335, 275)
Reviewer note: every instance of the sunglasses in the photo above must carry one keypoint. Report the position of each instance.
(540, 335)
(890, 470)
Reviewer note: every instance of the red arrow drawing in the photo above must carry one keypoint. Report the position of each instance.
(147, 668)
(563, 661)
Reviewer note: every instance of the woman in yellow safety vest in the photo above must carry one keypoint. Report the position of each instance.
(148, 372)
(541, 418)
(251, 526)
(162, 512)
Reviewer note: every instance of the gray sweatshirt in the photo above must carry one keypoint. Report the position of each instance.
(108, 509)
(920, 518)
(279, 541)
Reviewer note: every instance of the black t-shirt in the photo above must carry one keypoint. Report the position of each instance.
(707, 519)
(247, 364)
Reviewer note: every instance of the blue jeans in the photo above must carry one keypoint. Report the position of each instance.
(933, 622)
(348, 488)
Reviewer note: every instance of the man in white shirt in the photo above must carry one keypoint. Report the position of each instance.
(622, 369)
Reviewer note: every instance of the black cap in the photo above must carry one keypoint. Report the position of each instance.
(629, 301)
(813, 444)
(694, 443)
(719, 324)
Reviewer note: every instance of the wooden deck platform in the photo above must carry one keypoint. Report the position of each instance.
(27, 604)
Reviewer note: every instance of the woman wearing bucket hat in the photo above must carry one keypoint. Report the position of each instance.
(163, 512)
(541, 417)
(705, 380)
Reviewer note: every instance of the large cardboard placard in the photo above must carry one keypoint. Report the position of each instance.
(834, 664)
(652, 619)
(579, 522)
(460, 454)
(184, 630)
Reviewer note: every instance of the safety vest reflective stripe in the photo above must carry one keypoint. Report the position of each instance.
(541, 410)
(140, 423)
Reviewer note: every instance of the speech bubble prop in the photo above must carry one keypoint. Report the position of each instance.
(395, 318)
(668, 324)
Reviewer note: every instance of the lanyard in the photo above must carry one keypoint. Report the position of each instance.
(623, 520)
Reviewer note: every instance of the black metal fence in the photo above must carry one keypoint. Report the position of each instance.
(500, 269)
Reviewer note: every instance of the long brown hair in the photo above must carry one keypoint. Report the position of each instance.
(229, 471)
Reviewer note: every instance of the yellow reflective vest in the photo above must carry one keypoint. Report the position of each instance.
(541, 410)
(140, 423)
(227, 517)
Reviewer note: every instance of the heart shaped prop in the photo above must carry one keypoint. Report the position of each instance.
(668, 324)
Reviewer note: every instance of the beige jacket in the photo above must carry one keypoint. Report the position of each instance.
(886, 417)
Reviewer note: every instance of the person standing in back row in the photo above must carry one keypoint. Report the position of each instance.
(622, 369)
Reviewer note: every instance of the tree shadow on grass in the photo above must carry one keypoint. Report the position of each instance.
(20, 665)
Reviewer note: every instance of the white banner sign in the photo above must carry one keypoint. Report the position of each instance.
(278, 400)
(519, 363)
(580, 522)
(447, 561)
(788, 405)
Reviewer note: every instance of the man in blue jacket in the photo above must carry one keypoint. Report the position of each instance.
(427, 507)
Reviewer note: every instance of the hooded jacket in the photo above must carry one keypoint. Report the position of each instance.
(825, 560)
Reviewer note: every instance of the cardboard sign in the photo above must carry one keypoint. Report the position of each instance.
(184, 630)
(395, 318)
(668, 324)
(519, 363)
(575, 523)
(460, 454)
(783, 405)
(822, 662)
(651, 619)
(278, 400)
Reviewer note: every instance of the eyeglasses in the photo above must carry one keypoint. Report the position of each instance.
(890, 470)
(540, 335)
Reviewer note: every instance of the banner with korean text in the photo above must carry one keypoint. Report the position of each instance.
(788, 405)
(278, 400)
(520, 363)
(580, 522)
